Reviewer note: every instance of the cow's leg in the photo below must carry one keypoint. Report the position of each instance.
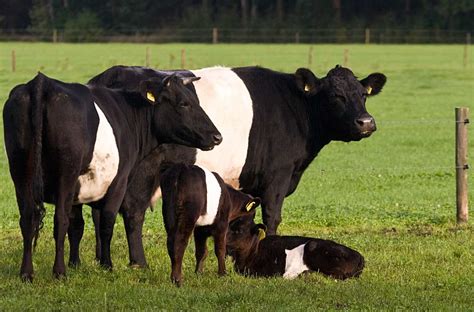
(74, 233)
(219, 249)
(108, 214)
(133, 227)
(272, 201)
(96, 220)
(29, 220)
(61, 222)
(200, 239)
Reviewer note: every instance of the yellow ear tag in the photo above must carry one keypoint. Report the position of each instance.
(369, 90)
(150, 96)
(261, 234)
(306, 88)
(249, 206)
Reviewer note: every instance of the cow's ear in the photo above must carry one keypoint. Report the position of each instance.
(252, 204)
(307, 81)
(150, 89)
(374, 83)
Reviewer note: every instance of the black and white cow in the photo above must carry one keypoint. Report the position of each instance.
(70, 144)
(274, 124)
(254, 254)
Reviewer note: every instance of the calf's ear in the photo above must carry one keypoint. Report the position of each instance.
(307, 82)
(150, 89)
(260, 230)
(252, 204)
(374, 83)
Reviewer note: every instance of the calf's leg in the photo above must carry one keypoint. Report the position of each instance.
(200, 239)
(133, 227)
(219, 249)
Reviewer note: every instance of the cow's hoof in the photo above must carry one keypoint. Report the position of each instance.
(59, 276)
(74, 264)
(27, 277)
(222, 273)
(135, 265)
(177, 281)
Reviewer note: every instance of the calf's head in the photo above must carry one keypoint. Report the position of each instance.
(178, 117)
(333, 259)
(340, 99)
(241, 204)
(242, 235)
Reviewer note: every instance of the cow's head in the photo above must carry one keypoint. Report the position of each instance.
(333, 259)
(178, 117)
(340, 100)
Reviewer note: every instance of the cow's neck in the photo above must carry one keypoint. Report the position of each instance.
(140, 115)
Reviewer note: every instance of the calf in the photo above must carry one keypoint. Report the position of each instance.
(257, 255)
(70, 144)
(196, 199)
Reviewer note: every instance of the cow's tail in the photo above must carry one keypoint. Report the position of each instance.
(37, 116)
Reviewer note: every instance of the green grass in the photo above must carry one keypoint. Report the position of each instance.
(392, 196)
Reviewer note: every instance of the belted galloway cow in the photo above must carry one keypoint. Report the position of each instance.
(70, 144)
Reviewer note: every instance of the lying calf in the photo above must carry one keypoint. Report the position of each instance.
(196, 199)
(255, 254)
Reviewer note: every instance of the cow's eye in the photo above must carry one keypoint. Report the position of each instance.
(184, 104)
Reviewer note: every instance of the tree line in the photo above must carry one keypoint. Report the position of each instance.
(128, 15)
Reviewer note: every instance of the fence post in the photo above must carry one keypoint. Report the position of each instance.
(183, 58)
(466, 50)
(215, 35)
(297, 37)
(310, 56)
(462, 120)
(147, 57)
(13, 61)
(55, 35)
(346, 57)
(367, 36)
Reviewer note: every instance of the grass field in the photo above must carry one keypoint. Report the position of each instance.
(392, 196)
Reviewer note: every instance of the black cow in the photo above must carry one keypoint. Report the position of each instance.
(195, 199)
(254, 254)
(70, 144)
(274, 124)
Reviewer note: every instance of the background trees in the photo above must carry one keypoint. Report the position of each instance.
(117, 15)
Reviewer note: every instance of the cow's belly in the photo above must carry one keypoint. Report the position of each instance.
(226, 100)
(103, 168)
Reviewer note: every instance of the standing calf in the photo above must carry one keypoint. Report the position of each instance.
(257, 255)
(196, 199)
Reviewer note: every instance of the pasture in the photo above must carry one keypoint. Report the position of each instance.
(391, 197)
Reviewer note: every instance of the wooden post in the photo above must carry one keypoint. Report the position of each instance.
(367, 36)
(215, 35)
(466, 50)
(147, 57)
(55, 35)
(13, 61)
(183, 58)
(462, 120)
(346, 57)
(310, 56)
(297, 37)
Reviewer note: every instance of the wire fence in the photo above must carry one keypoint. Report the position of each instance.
(240, 35)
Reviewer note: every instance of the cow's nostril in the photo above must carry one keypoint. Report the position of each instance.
(365, 122)
(217, 138)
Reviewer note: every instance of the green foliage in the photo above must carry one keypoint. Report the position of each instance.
(390, 196)
(82, 28)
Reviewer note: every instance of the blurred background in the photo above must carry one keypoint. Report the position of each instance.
(239, 21)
